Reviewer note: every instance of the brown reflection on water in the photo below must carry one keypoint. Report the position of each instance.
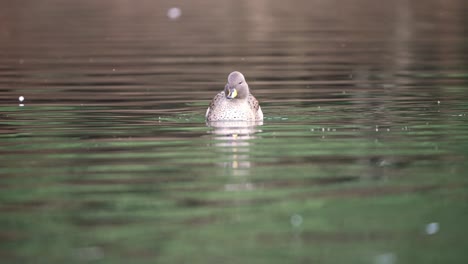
(122, 53)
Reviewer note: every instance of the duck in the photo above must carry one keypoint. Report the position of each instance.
(235, 102)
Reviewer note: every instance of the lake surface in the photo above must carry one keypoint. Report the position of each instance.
(362, 156)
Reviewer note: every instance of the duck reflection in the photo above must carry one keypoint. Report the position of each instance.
(233, 140)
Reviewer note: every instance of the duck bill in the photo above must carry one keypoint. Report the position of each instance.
(232, 93)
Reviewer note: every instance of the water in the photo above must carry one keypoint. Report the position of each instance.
(362, 156)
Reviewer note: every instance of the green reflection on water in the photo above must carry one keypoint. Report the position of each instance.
(176, 192)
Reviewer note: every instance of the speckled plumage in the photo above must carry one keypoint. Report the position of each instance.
(244, 106)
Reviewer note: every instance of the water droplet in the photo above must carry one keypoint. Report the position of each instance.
(432, 228)
(21, 98)
(296, 220)
(438, 102)
(174, 13)
(386, 258)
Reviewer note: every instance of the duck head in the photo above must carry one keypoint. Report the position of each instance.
(237, 87)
